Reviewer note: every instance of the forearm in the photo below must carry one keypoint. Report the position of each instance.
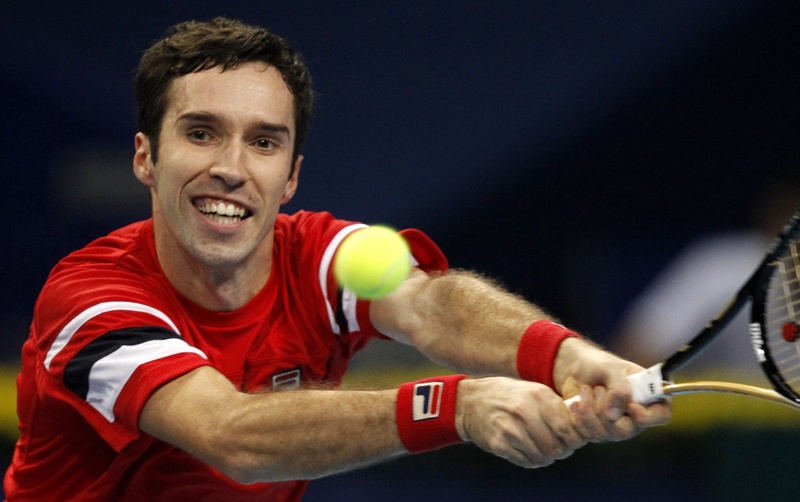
(335, 431)
(462, 321)
(274, 436)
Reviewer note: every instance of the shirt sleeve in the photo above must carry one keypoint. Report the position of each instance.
(104, 349)
(349, 314)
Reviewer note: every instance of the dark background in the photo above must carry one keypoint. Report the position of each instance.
(566, 148)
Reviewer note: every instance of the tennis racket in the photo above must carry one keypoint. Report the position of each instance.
(773, 292)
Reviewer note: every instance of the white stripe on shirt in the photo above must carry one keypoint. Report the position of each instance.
(72, 327)
(109, 374)
(348, 298)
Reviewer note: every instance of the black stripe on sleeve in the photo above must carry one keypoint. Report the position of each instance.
(76, 372)
(341, 320)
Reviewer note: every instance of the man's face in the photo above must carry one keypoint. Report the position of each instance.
(224, 164)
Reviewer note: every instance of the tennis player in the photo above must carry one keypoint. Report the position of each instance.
(195, 355)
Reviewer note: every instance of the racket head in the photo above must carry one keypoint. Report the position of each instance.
(775, 313)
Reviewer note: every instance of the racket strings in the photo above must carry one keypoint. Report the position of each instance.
(783, 317)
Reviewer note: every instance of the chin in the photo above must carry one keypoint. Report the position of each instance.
(221, 256)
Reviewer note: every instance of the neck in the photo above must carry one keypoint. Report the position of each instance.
(214, 287)
(221, 289)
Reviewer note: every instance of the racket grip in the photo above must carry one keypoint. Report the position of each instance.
(647, 385)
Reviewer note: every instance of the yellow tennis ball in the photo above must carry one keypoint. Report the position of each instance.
(372, 262)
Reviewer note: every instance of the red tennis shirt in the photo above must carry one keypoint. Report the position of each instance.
(109, 329)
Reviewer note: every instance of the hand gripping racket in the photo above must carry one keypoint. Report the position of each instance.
(773, 292)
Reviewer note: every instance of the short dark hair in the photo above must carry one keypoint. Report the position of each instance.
(195, 46)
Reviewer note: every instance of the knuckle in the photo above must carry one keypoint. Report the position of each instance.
(625, 428)
(554, 448)
(563, 430)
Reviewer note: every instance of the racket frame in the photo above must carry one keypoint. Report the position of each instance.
(755, 292)
(655, 383)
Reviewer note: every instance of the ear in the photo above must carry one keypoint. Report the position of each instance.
(291, 184)
(142, 160)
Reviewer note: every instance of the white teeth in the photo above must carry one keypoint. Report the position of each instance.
(222, 209)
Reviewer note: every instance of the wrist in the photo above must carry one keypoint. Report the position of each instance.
(538, 349)
(426, 413)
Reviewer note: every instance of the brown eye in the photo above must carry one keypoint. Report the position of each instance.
(199, 135)
(265, 144)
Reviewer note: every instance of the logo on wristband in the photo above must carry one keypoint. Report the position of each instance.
(427, 400)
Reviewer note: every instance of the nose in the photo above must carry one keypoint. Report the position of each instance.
(229, 166)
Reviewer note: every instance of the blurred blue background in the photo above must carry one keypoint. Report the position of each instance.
(568, 149)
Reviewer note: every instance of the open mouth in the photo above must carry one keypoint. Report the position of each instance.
(224, 213)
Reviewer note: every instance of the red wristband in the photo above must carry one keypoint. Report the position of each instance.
(537, 351)
(426, 413)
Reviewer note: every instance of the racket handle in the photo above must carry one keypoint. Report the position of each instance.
(648, 386)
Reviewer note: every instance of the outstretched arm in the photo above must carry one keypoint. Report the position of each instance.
(304, 434)
(457, 319)
(466, 322)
